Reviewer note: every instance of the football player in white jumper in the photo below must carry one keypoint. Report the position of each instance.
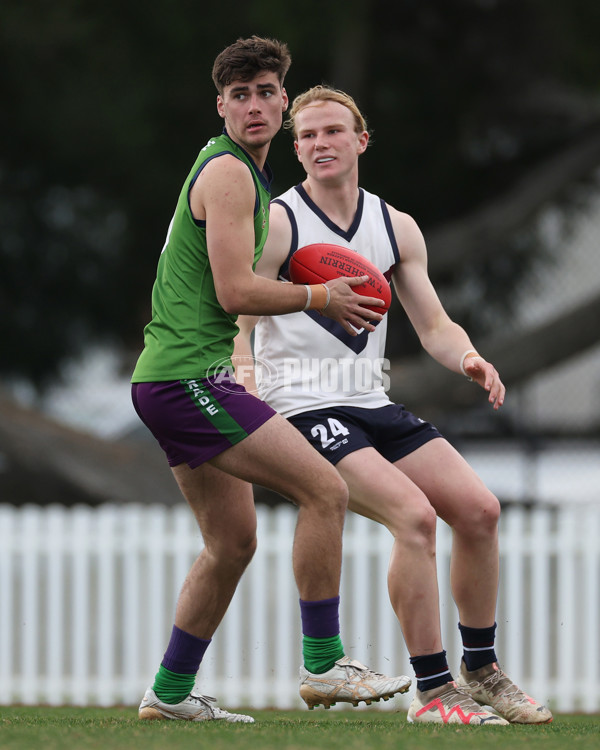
(400, 471)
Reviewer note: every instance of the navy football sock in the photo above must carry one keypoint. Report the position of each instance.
(431, 670)
(478, 646)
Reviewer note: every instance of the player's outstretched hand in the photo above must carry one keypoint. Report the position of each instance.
(485, 374)
(346, 307)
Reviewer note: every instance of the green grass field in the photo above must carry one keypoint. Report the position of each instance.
(26, 728)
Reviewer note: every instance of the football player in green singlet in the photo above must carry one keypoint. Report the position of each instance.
(218, 438)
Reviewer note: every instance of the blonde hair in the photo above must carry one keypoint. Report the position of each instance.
(318, 94)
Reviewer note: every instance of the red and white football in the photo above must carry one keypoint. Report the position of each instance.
(314, 264)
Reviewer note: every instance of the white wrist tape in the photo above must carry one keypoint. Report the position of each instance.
(462, 361)
(308, 297)
(328, 297)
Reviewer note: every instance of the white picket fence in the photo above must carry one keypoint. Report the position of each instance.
(87, 599)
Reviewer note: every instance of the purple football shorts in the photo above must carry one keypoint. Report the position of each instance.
(195, 420)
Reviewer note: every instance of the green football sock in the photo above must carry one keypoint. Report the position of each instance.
(320, 654)
(171, 687)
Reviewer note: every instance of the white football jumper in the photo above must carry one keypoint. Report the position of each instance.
(306, 361)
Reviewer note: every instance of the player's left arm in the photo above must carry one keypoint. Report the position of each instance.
(440, 336)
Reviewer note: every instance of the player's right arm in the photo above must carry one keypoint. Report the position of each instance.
(274, 254)
(243, 356)
(224, 196)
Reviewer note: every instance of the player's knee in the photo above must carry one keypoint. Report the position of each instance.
(482, 517)
(337, 493)
(412, 521)
(327, 493)
(427, 520)
(490, 512)
(237, 550)
(423, 520)
(247, 549)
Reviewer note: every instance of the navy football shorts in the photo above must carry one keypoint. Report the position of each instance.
(337, 431)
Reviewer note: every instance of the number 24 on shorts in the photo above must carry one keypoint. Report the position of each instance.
(336, 428)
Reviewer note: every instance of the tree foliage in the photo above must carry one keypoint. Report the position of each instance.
(105, 106)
